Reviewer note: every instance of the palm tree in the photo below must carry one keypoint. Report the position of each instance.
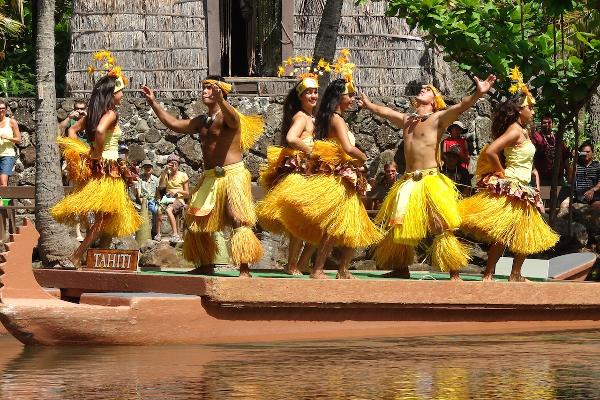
(54, 245)
(326, 40)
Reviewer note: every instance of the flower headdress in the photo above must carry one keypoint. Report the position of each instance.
(345, 68)
(109, 66)
(518, 86)
(301, 67)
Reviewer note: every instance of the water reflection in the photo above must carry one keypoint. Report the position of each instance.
(540, 366)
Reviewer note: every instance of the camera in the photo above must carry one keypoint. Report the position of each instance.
(581, 154)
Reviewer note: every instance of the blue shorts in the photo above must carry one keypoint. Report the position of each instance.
(7, 164)
(153, 206)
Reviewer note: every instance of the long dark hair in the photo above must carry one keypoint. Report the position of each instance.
(101, 101)
(330, 100)
(506, 114)
(291, 106)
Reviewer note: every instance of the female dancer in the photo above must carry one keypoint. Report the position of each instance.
(328, 206)
(505, 212)
(101, 177)
(286, 165)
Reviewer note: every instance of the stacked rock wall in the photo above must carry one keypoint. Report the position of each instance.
(147, 137)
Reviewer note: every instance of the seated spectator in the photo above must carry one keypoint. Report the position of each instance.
(587, 176)
(454, 170)
(146, 187)
(544, 141)
(176, 187)
(79, 111)
(456, 131)
(9, 137)
(382, 186)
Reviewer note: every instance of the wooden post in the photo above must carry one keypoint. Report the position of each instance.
(287, 29)
(213, 40)
(145, 229)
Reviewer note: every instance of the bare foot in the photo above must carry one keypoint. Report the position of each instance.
(292, 271)
(319, 275)
(344, 275)
(487, 278)
(517, 278)
(454, 276)
(403, 273)
(245, 271)
(202, 270)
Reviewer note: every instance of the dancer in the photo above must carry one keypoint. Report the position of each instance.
(101, 179)
(423, 201)
(286, 166)
(505, 211)
(328, 206)
(223, 196)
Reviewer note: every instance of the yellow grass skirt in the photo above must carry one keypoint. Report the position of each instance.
(232, 205)
(326, 204)
(414, 208)
(94, 194)
(513, 222)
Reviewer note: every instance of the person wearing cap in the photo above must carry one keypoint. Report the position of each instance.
(454, 170)
(424, 201)
(223, 197)
(146, 187)
(175, 184)
(455, 130)
(101, 178)
(505, 213)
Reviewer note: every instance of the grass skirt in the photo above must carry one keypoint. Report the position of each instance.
(233, 206)
(101, 194)
(414, 209)
(516, 223)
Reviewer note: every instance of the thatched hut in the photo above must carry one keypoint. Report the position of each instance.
(172, 44)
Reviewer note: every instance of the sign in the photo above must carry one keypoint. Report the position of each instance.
(112, 260)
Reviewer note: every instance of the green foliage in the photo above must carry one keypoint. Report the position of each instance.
(17, 69)
(491, 36)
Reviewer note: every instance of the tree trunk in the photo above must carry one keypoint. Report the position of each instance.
(54, 244)
(560, 134)
(593, 112)
(326, 40)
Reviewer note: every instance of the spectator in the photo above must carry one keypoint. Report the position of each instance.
(79, 111)
(454, 170)
(176, 186)
(9, 136)
(382, 186)
(587, 176)
(544, 141)
(146, 187)
(455, 131)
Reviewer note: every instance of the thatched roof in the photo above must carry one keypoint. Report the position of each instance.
(391, 59)
(161, 43)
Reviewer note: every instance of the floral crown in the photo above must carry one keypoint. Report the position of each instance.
(343, 67)
(302, 68)
(518, 86)
(109, 67)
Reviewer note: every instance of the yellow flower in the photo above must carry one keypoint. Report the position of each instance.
(345, 52)
(513, 88)
(328, 68)
(298, 59)
(309, 60)
(280, 71)
(91, 69)
(322, 63)
(101, 55)
(516, 75)
(116, 72)
(288, 61)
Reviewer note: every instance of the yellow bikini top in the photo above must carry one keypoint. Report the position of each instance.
(519, 161)
(111, 143)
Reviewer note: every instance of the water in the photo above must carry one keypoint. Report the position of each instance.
(531, 366)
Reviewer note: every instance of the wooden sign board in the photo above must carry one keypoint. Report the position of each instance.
(112, 260)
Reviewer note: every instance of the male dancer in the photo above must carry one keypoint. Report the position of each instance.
(423, 201)
(223, 196)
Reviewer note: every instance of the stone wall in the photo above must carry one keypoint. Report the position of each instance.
(147, 137)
